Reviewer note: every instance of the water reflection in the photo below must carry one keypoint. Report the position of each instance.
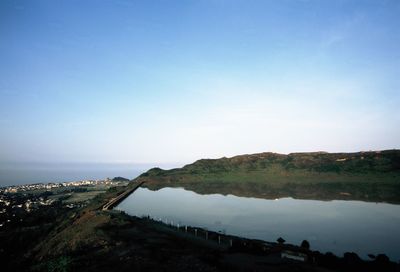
(336, 226)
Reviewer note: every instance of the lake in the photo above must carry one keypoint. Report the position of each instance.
(336, 226)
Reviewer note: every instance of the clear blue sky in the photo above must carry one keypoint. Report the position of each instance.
(174, 81)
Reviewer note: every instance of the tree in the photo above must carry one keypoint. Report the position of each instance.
(280, 240)
(305, 244)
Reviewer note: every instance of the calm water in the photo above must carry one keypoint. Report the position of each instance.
(335, 226)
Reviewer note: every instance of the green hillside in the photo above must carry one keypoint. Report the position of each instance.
(370, 176)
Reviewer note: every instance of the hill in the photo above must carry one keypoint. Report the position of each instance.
(92, 239)
(369, 176)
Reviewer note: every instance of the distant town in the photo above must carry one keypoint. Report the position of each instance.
(53, 185)
(20, 204)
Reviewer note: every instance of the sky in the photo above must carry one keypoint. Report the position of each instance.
(161, 82)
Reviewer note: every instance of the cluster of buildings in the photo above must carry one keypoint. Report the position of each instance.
(52, 185)
(25, 203)
(19, 201)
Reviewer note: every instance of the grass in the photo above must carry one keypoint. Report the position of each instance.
(82, 197)
(369, 176)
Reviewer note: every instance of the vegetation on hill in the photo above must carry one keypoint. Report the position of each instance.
(370, 176)
(88, 238)
(120, 179)
(91, 239)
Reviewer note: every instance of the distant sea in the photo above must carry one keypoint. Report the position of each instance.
(28, 173)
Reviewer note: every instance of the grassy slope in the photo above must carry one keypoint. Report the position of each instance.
(90, 239)
(96, 240)
(371, 176)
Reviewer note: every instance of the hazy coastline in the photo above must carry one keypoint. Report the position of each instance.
(28, 173)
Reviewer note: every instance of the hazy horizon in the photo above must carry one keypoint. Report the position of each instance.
(27, 172)
(16, 173)
(170, 82)
(98, 89)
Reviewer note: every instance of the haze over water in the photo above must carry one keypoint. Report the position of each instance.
(176, 81)
(95, 83)
(26, 173)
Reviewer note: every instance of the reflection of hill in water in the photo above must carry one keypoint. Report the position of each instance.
(368, 176)
(336, 226)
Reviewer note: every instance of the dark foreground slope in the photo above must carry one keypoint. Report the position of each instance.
(91, 239)
(368, 176)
